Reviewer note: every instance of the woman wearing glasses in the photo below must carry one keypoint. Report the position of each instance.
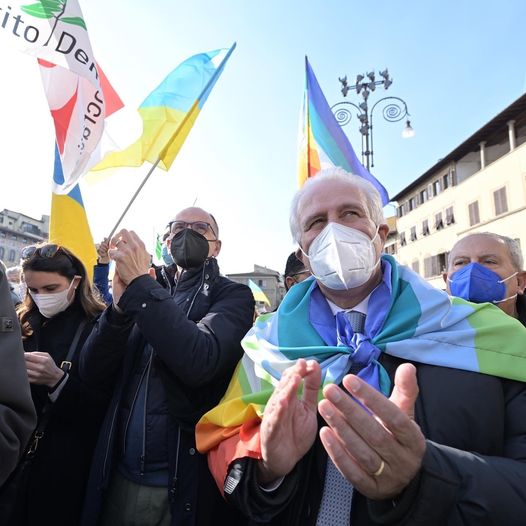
(56, 316)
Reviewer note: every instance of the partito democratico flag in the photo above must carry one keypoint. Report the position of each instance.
(54, 31)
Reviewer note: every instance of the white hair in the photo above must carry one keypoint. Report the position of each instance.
(373, 201)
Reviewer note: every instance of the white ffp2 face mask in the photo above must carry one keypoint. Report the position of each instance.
(51, 304)
(341, 257)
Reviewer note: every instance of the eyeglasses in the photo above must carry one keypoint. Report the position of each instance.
(299, 273)
(201, 227)
(47, 251)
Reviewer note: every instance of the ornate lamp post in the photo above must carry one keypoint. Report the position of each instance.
(395, 109)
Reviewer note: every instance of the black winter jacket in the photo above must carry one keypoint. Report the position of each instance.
(195, 336)
(473, 471)
(58, 474)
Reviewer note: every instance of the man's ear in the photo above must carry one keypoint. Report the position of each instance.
(301, 257)
(444, 277)
(289, 282)
(217, 248)
(383, 232)
(521, 278)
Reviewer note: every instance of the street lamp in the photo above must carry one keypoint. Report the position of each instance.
(394, 110)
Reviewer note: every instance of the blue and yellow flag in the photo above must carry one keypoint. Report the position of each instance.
(258, 294)
(69, 225)
(169, 112)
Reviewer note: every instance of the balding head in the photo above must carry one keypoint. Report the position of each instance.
(194, 214)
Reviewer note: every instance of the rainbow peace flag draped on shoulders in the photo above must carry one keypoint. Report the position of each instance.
(169, 112)
(421, 324)
(323, 143)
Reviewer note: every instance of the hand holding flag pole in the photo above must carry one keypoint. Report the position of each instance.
(168, 118)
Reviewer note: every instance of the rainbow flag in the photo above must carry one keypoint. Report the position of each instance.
(169, 112)
(415, 322)
(258, 294)
(322, 142)
(69, 225)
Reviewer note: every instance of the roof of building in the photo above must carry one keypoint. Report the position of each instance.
(488, 132)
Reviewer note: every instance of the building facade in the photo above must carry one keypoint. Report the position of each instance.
(478, 187)
(17, 231)
(268, 280)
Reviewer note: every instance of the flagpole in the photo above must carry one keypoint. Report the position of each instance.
(212, 80)
(163, 151)
(154, 166)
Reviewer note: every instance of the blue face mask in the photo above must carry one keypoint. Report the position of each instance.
(476, 283)
(167, 257)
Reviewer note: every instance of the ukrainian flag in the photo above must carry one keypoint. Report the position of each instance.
(69, 225)
(169, 112)
(258, 294)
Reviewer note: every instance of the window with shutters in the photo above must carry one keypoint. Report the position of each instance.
(439, 224)
(450, 216)
(474, 217)
(501, 202)
(425, 227)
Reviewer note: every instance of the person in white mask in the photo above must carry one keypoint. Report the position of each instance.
(488, 267)
(370, 396)
(56, 316)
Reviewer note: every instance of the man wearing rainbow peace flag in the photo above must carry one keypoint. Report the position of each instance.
(371, 397)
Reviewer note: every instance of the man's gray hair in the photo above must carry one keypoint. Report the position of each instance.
(373, 199)
(513, 246)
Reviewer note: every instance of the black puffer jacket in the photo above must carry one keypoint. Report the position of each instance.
(195, 336)
(57, 480)
(473, 472)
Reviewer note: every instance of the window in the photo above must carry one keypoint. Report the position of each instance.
(403, 242)
(425, 227)
(501, 203)
(261, 282)
(390, 249)
(435, 265)
(436, 187)
(11, 255)
(2, 252)
(413, 233)
(412, 204)
(445, 181)
(423, 196)
(430, 191)
(474, 216)
(438, 221)
(415, 265)
(400, 211)
(450, 217)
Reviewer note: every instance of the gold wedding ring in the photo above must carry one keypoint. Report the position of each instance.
(380, 470)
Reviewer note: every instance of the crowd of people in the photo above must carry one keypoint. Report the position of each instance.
(368, 397)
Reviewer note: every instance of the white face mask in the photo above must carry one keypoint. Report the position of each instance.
(50, 305)
(342, 258)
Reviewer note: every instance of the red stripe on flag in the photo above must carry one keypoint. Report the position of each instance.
(62, 118)
(112, 101)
